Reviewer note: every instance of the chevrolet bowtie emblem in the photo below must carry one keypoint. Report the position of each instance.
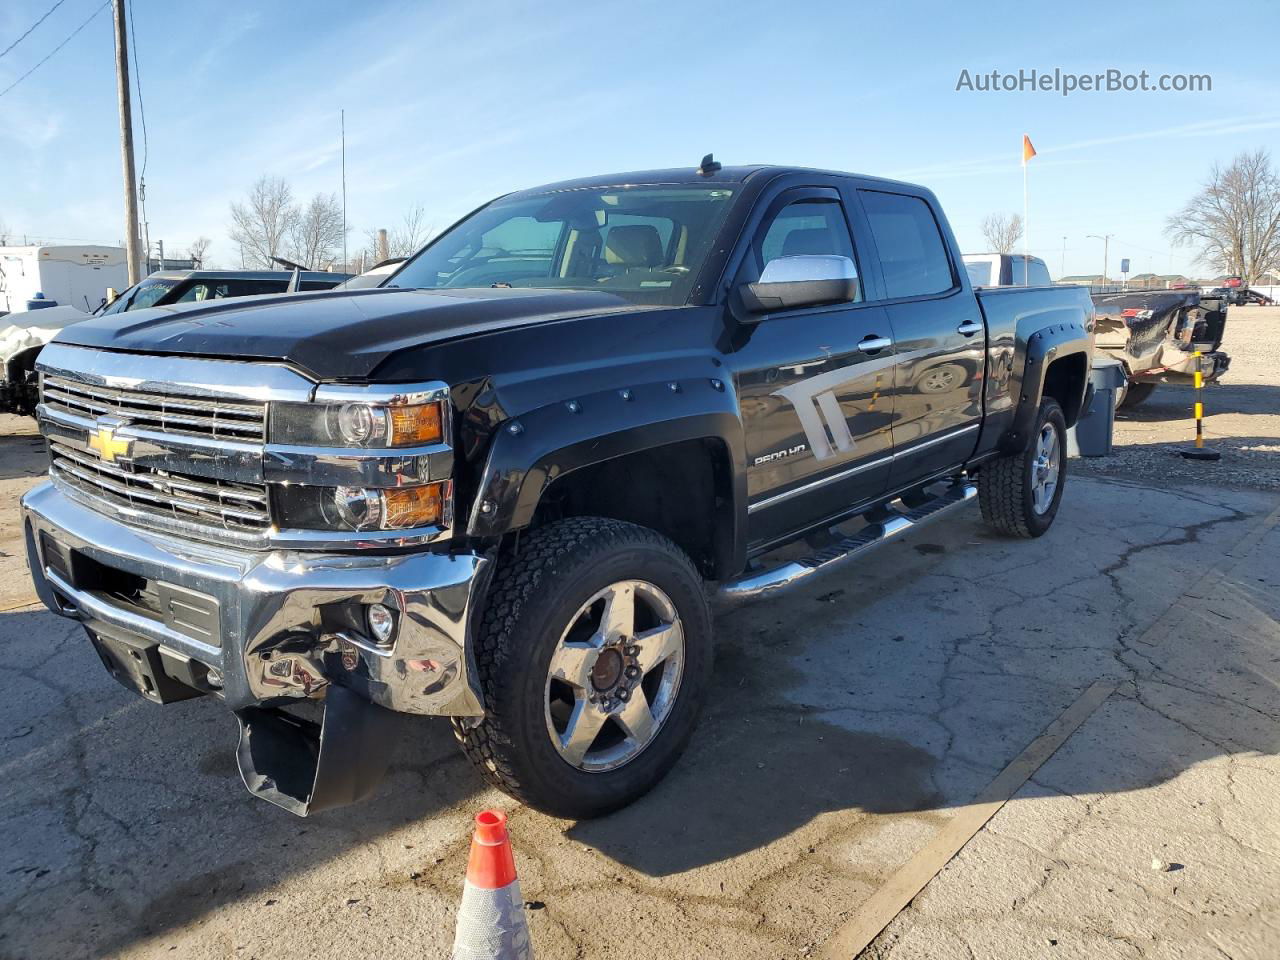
(108, 445)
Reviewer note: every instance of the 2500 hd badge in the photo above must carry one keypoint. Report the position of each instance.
(502, 487)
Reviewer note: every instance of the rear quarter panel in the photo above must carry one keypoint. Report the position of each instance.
(1027, 329)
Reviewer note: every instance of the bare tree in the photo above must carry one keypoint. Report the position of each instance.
(262, 225)
(1234, 221)
(402, 241)
(4, 234)
(197, 249)
(317, 232)
(1002, 232)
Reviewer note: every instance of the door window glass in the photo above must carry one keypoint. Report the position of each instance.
(807, 228)
(913, 257)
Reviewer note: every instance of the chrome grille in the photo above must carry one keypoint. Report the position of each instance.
(218, 504)
(221, 419)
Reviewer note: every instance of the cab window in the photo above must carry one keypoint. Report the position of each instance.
(813, 227)
(913, 257)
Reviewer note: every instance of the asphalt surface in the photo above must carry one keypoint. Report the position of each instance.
(849, 722)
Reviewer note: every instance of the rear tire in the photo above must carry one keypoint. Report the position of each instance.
(1014, 489)
(1135, 394)
(549, 658)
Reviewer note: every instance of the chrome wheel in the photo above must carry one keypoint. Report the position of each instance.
(1046, 468)
(614, 676)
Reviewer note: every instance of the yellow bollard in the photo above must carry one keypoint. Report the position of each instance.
(1199, 452)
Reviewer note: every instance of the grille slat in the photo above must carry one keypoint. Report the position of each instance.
(227, 506)
(241, 420)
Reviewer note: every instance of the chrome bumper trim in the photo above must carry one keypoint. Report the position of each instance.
(269, 606)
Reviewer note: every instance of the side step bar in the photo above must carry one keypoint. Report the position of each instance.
(760, 583)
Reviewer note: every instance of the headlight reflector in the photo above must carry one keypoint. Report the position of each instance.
(363, 508)
(357, 424)
(358, 508)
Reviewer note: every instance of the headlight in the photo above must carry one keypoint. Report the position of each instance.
(358, 508)
(357, 424)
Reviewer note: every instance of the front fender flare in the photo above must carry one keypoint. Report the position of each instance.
(534, 449)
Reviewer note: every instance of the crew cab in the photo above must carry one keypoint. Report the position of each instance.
(507, 486)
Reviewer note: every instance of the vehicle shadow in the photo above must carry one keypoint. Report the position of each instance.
(22, 455)
(1171, 401)
(127, 822)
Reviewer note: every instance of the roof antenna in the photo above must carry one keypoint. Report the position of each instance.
(708, 166)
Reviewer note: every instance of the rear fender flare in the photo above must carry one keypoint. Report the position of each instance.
(1046, 344)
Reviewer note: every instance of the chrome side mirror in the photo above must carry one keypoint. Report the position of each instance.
(801, 281)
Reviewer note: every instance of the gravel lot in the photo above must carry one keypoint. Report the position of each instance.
(849, 724)
(1242, 418)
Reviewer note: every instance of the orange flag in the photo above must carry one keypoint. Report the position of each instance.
(1028, 151)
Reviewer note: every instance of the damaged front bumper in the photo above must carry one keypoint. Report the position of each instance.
(172, 619)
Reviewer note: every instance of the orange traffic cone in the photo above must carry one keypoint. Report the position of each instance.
(491, 922)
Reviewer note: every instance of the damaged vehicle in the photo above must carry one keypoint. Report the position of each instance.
(506, 486)
(1155, 335)
(23, 335)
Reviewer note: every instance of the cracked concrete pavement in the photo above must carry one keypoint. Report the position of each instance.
(847, 724)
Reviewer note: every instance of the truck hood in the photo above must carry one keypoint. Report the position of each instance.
(333, 335)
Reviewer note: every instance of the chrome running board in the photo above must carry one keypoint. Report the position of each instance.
(760, 583)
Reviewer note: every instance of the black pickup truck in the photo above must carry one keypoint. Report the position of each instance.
(507, 486)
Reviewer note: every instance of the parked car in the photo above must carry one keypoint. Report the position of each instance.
(500, 487)
(23, 335)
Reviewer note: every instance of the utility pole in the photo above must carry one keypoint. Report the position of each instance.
(1106, 245)
(131, 243)
(1064, 259)
(160, 244)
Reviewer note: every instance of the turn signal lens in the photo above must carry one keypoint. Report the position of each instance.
(405, 507)
(411, 426)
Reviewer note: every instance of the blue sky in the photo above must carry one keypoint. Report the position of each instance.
(448, 104)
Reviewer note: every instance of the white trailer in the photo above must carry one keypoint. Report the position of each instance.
(73, 276)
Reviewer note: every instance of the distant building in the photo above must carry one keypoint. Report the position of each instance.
(1086, 280)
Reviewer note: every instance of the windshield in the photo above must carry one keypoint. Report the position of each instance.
(647, 243)
(144, 294)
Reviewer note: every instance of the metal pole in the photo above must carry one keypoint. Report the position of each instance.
(1064, 258)
(126, 146)
(346, 266)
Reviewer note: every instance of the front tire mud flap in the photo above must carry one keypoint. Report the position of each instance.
(308, 767)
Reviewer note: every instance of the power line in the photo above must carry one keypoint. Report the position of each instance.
(32, 27)
(137, 79)
(55, 49)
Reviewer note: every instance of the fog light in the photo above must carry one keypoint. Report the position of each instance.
(382, 623)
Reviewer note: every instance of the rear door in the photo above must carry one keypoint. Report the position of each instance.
(814, 384)
(941, 338)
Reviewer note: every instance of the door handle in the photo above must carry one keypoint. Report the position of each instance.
(873, 344)
(969, 328)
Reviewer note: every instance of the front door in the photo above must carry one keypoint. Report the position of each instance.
(815, 384)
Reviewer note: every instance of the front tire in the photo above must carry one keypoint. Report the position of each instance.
(594, 656)
(1020, 492)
